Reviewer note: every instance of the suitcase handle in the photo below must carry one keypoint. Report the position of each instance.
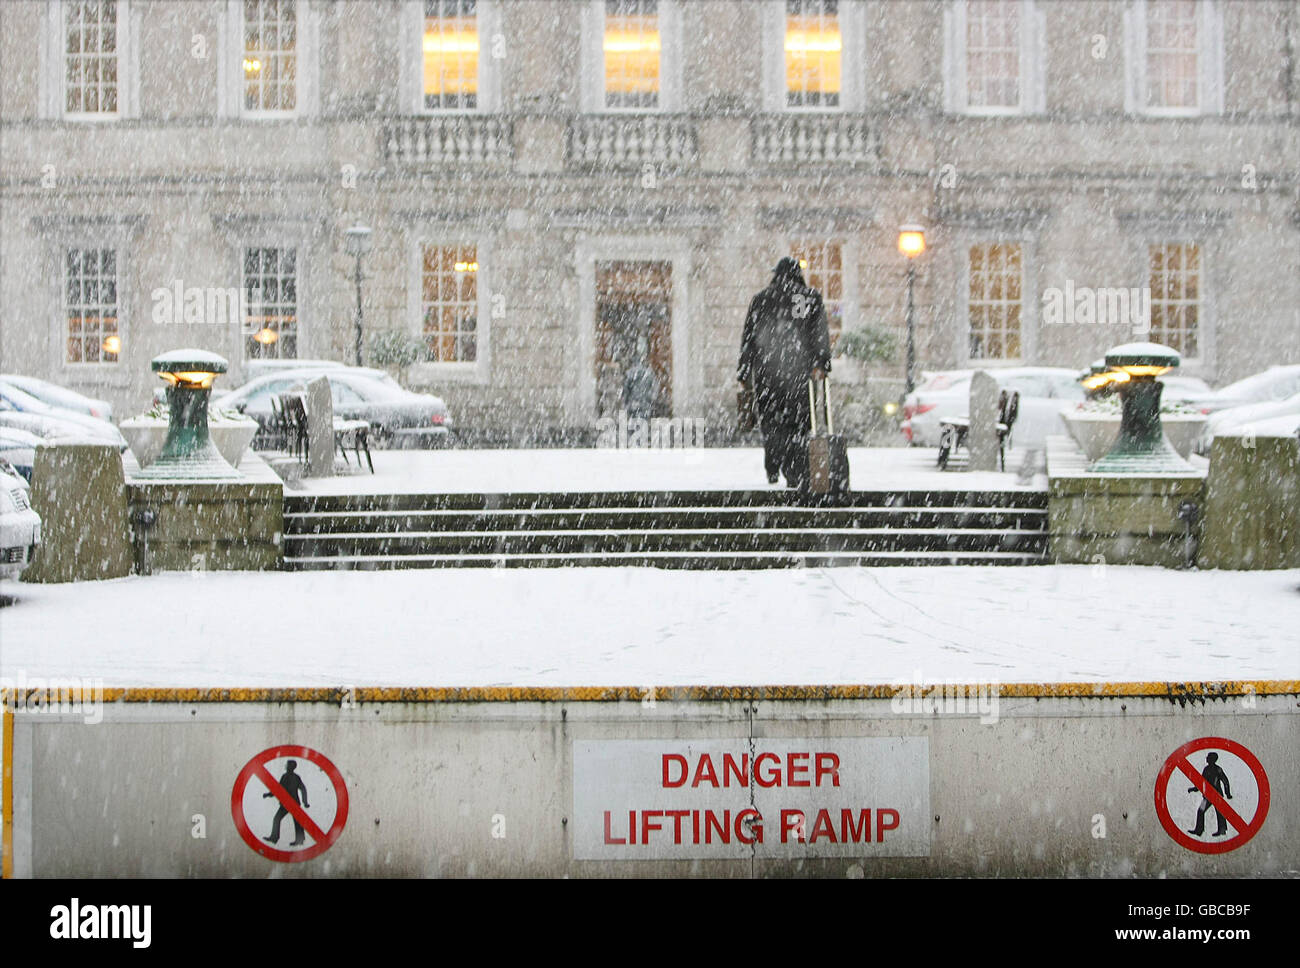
(812, 406)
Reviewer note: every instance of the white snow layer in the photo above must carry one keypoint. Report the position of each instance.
(645, 627)
(645, 469)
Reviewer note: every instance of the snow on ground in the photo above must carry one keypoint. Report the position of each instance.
(642, 627)
(644, 469)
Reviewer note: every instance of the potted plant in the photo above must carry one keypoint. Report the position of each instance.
(146, 433)
(1095, 425)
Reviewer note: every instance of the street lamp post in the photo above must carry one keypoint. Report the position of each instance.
(911, 243)
(357, 244)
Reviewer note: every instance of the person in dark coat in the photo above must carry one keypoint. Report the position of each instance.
(786, 342)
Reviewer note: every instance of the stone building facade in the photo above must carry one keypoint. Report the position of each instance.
(562, 191)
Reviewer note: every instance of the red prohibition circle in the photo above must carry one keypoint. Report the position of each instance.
(1179, 756)
(322, 843)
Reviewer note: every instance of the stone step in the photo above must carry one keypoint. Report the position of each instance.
(701, 518)
(684, 560)
(717, 540)
(578, 500)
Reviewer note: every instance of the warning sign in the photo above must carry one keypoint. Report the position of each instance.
(740, 798)
(289, 787)
(1212, 779)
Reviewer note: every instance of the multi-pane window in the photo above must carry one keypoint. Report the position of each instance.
(450, 54)
(270, 303)
(90, 57)
(994, 300)
(993, 53)
(812, 53)
(91, 306)
(1175, 272)
(449, 302)
(1172, 50)
(270, 55)
(823, 269)
(632, 49)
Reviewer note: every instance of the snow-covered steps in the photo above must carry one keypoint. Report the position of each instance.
(669, 529)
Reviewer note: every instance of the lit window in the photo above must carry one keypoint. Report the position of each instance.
(91, 306)
(450, 51)
(994, 302)
(270, 55)
(632, 53)
(270, 303)
(1176, 296)
(812, 53)
(90, 57)
(1172, 50)
(993, 53)
(823, 269)
(449, 302)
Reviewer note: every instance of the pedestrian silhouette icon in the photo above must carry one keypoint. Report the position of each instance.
(1218, 780)
(1228, 778)
(301, 783)
(293, 785)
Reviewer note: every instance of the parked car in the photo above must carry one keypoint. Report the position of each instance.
(59, 397)
(281, 367)
(1274, 384)
(1239, 419)
(23, 411)
(1044, 391)
(1184, 389)
(20, 526)
(397, 417)
(18, 448)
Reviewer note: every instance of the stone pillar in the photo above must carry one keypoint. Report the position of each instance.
(320, 428)
(79, 491)
(982, 437)
(1251, 517)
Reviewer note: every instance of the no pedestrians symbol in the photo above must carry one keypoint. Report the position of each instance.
(1212, 776)
(294, 784)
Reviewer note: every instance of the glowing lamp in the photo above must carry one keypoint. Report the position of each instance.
(1141, 446)
(911, 240)
(112, 344)
(266, 336)
(189, 451)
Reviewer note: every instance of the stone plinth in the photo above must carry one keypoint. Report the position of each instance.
(78, 490)
(1252, 504)
(208, 525)
(1128, 519)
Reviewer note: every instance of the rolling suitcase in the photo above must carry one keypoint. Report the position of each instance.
(828, 453)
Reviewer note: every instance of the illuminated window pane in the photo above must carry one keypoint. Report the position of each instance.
(90, 57)
(270, 303)
(1171, 53)
(449, 302)
(1175, 280)
(812, 53)
(631, 53)
(269, 59)
(450, 46)
(994, 300)
(90, 306)
(822, 265)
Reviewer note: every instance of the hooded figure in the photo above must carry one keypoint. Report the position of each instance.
(786, 342)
